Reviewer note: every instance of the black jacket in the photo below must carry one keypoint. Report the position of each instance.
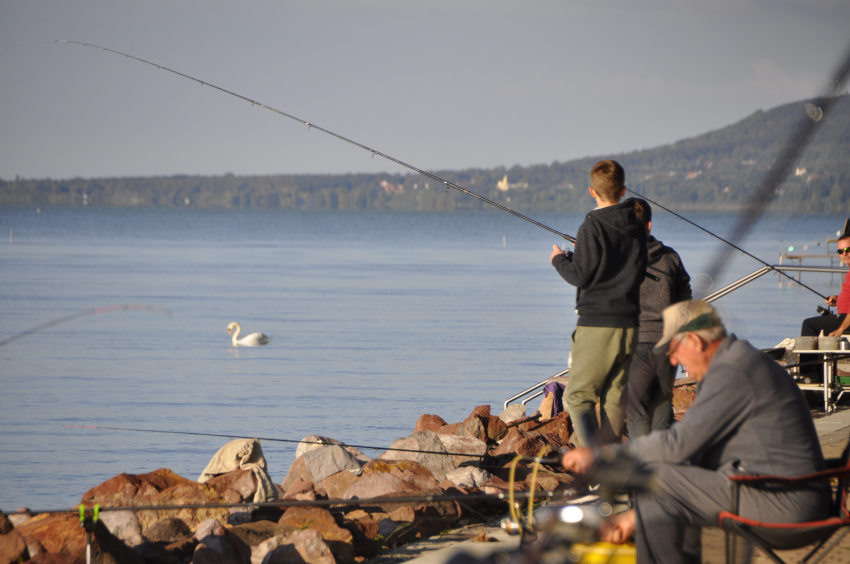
(607, 267)
(673, 286)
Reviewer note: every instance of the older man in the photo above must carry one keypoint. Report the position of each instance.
(749, 417)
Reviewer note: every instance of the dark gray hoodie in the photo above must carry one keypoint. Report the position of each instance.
(607, 267)
(673, 286)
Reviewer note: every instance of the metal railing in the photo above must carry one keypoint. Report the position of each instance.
(741, 282)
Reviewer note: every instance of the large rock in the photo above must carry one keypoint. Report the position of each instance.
(160, 487)
(297, 470)
(299, 547)
(559, 426)
(464, 449)
(416, 476)
(339, 540)
(6, 526)
(124, 525)
(429, 423)
(168, 530)
(375, 484)
(13, 547)
(19, 517)
(517, 442)
(336, 485)
(513, 413)
(469, 477)
(494, 427)
(438, 464)
(61, 532)
(241, 482)
(212, 536)
(315, 518)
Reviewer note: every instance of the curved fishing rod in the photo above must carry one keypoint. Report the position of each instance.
(371, 447)
(733, 245)
(323, 130)
(95, 311)
(799, 138)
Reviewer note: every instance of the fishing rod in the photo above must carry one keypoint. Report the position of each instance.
(311, 125)
(95, 311)
(371, 447)
(733, 245)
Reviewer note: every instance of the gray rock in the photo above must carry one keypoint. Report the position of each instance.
(124, 525)
(512, 413)
(437, 464)
(469, 477)
(464, 445)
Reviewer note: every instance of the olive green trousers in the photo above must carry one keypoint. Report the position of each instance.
(599, 371)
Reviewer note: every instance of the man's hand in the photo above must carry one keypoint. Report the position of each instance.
(556, 250)
(618, 528)
(831, 300)
(578, 460)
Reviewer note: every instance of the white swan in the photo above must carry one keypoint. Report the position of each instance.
(252, 340)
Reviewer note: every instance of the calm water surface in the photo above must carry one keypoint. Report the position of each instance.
(376, 317)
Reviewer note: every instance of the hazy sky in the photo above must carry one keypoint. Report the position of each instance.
(438, 84)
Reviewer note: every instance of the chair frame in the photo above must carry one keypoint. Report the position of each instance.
(835, 527)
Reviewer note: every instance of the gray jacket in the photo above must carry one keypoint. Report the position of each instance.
(673, 286)
(749, 417)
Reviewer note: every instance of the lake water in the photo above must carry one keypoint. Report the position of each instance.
(377, 317)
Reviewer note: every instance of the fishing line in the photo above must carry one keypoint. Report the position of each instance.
(311, 125)
(529, 458)
(321, 502)
(95, 311)
(733, 245)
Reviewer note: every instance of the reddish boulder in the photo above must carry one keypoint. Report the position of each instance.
(448, 429)
(13, 547)
(298, 487)
(169, 530)
(298, 469)
(160, 487)
(516, 442)
(494, 427)
(61, 532)
(429, 423)
(315, 518)
(337, 484)
(472, 427)
(559, 426)
(375, 484)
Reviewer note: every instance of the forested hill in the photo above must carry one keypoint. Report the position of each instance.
(712, 172)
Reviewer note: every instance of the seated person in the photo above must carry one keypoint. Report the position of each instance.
(833, 325)
(749, 417)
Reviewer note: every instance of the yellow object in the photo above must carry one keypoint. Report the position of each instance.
(603, 553)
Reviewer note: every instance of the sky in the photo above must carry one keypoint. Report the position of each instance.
(441, 85)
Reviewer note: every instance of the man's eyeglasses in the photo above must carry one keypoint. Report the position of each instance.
(844, 251)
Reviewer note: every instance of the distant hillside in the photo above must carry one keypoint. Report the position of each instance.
(711, 172)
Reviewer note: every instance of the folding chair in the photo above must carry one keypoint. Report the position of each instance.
(785, 536)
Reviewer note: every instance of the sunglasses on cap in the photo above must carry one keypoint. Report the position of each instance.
(844, 251)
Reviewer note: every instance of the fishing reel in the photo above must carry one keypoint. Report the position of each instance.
(567, 532)
(824, 310)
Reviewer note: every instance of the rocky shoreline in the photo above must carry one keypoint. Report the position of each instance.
(461, 459)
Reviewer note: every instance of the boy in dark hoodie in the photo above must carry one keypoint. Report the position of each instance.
(607, 268)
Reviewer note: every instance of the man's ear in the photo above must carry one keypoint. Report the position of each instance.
(592, 192)
(623, 192)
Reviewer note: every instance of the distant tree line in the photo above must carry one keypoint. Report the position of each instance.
(712, 172)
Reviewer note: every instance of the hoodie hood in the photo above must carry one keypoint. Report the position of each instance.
(654, 250)
(620, 218)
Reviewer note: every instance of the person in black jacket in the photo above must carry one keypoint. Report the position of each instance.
(651, 376)
(607, 267)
